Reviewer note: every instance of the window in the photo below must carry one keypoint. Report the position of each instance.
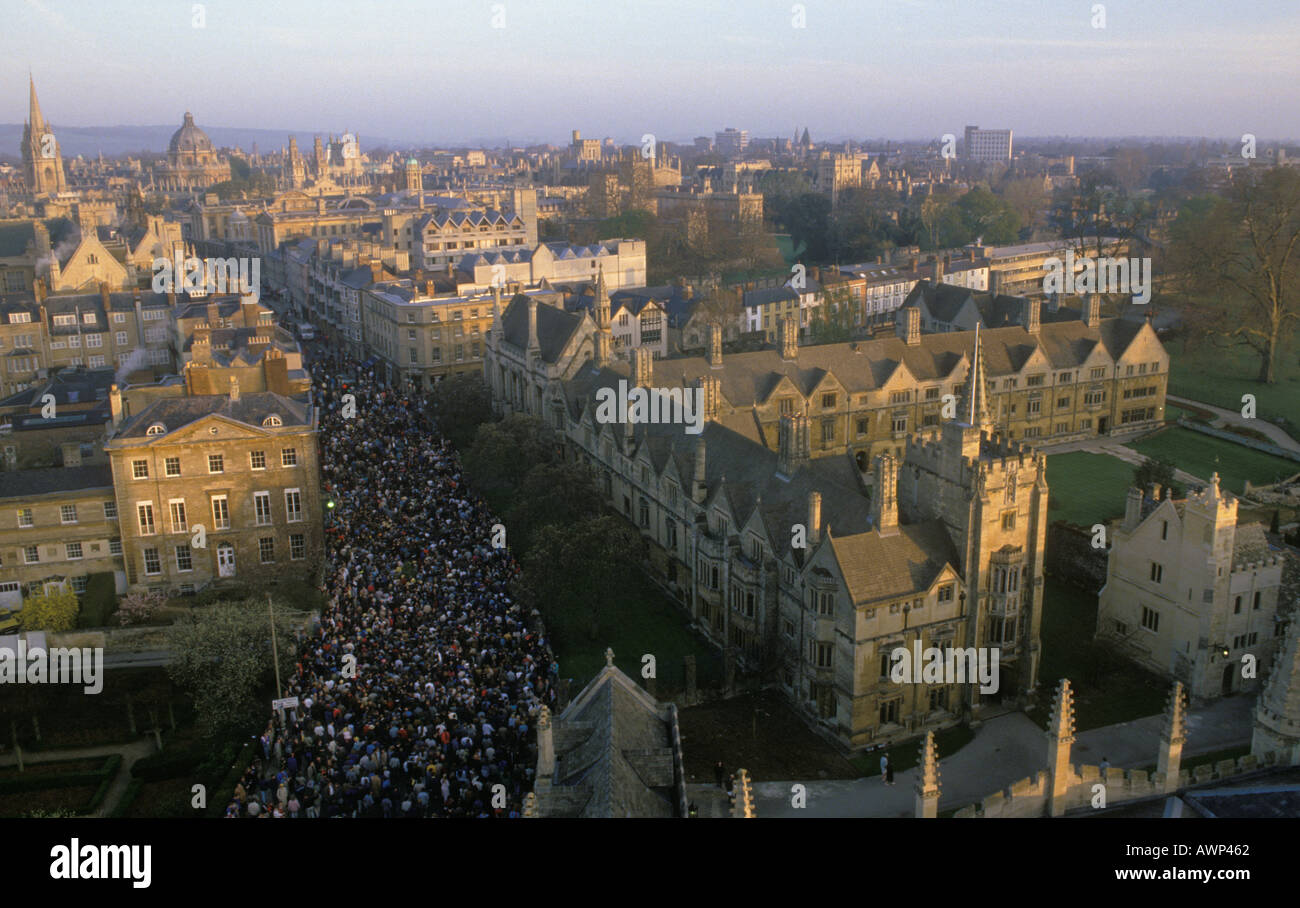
(266, 549)
(115, 547)
(828, 431)
(110, 510)
(828, 401)
(900, 397)
(120, 338)
(177, 508)
(898, 423)
(945, 592)
(889, 712)
(1034, 380)
(289, 457)
(787, 626)
(73, 551)
(1034, 406)
(297, 546)
(787, 405)
(220, 513)
(1099, 372)
(1150, 619)
(1255, 607)
(184, 558)
(144, 511)
(272, 422)
(79, 585)
(25, 518)
(1008, 520)
(931, 393)
(172, 466)
(152, 563)
(938, 699)
(139, 469)
(825, 600)
(31, 554)
(257, 460)
(1157, 572)
(216, 463)
(293, 505)
(262, 508)
(823, 653)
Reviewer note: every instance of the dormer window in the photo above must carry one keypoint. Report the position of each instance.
(156, 429)
(271, 422)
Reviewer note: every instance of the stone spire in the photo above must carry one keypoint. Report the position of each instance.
(34, 117)
(604, 323)
(744, 806)
(1172, 737)
(1277, 715)
(1060, 735)
(927, 780)
(974, 405)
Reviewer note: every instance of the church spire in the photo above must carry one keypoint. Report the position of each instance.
(34, 116)
(975, 406)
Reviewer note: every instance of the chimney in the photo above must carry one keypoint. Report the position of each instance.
(234, 389)
(115, 404)
(1133, 508)
(700, 484)
(884, 496)
(789, 334)
(429, 289)
(715, 346)
(376, 271)
(1032, 314)
(38, 288)
(792, 443)
(1092, 310)
(103, 295)
(814, 518)
(642, 367)
(257, 344)
(275, 371)
(939, 267)
(909, 326)
(250, 312)
(532, 324)
(214, 314)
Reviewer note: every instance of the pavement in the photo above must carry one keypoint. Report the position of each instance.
(1276, 434)
(1005, 750)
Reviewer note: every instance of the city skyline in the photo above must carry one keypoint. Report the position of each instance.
(745, 68)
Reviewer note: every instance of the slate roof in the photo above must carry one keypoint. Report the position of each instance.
(614, 753)
(250, 409)
(879, 567)
(26, 483)
(555, 327)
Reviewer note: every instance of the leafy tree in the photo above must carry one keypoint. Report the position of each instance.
(1155, 470)
(1240, 253)
(221, 656)
(832, 320)
(138, 608)
(582, 565)
(459, 405)
(55, 611)
(551, 493)
(982, 214)
(503, 452)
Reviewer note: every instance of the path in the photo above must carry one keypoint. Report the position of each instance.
(130, 753)
(1004, 751)
(1275, 433)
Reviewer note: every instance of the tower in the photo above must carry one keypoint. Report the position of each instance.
(42, 158)
(604, 323)
(414, 180)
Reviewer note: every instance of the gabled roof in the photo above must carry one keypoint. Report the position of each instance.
(250, 409)
(877, 567)
(555, 327)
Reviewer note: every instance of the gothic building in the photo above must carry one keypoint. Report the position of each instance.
(42, 158)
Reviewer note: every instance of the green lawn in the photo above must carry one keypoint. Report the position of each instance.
(642, 620)
(1202, 455)
(1107, 689)
(906, 755)
(1085, 488)
(1221, 377)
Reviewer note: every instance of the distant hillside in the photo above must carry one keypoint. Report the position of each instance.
(116, 140)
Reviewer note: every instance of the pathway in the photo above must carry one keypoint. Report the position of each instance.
(130, 753)
(1276, 434)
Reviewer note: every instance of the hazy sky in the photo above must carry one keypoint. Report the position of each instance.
(440, 71)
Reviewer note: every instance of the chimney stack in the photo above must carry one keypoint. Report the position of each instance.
(1133, 508)
(715, 346)
(234, 389)
(1092, 310)
(532, 324)
(789, 335)
(909, 326)
(884, 496)
(642, 367)
(814, 518)
(115, 404)
(700, 485)
(1032, 314)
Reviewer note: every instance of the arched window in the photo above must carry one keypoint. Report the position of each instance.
(156, 429)
(271, 422)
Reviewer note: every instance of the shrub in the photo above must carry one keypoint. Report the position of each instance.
(138, 608)
(51, 611)
(99, 600)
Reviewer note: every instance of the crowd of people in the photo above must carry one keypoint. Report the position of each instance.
(436, 715)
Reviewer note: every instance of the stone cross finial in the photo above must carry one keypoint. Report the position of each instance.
(609, 657)
(530, 806)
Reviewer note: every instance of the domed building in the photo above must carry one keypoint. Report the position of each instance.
(192, 161)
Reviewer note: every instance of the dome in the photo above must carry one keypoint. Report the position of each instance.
(189, 138)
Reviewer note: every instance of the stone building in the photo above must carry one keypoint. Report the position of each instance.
(192, 161)
(1191, 595)
(218, 488)
(42, 157)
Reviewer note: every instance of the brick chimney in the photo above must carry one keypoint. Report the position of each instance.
(258, 344)
(104, 295)
(699, 483)
(532, 324)
(214, 314)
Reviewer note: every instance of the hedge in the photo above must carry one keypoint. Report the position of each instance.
(99, 602)
(127, 799)
(218, 799)
(169, 764)
(103, 775)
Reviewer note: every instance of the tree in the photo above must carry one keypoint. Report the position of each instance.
(138, 608)
(459, 405)
(1241, 255)
(55, 611)
(580, 566)
(503, 452)
(1155, 470)
(221, 655)
(551, 493)
(832, 321)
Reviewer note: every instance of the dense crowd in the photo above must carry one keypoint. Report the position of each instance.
(450, 672)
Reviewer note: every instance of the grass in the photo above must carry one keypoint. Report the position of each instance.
(640, 621)
(1221, 377)
(905, 755)
(1107, 689)
(1202, 455)
(1086, 488)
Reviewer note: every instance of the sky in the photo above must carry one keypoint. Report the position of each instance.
(532, 70)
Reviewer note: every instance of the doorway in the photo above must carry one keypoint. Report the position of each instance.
(226, 560)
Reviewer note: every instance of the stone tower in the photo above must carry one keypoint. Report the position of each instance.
(604, 322)
(1277, 714)
(295, 166)
(42, 158)
(414, 179)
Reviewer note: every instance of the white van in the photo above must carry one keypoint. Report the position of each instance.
(306, 331)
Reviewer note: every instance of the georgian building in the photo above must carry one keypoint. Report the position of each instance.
(1189, 593)
(217, 488)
